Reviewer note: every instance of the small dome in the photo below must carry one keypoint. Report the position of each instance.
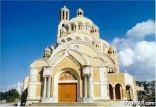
(110, 50)
(38, 63)
(65, 8)
(80, 12)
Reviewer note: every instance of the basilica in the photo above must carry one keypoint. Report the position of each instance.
(81, 67)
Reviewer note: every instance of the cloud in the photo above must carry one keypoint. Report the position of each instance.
(126, 57)
(137, 55)
(141, 30)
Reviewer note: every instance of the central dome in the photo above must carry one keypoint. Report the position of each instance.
(82, 19)
(79, 24)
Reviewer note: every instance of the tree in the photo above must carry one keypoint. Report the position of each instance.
(9, 96)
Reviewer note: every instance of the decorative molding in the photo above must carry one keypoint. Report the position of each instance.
(68, 81)
(66, 54)
(62, 46)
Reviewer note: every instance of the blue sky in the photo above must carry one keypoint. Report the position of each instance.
(29, 27)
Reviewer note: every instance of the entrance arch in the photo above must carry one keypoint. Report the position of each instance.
(111, 91)
(67, 78)
(129, 92)
(67, 88)
(118, 91)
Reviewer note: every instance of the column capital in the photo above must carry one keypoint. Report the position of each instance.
(87, 70)
(46, 71)
(46, 76)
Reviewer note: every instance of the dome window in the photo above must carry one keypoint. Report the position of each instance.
(62, 40)
(77, 38)
(69, 39)
(73, 27)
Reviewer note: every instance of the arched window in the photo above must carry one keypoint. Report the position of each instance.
(68, 39)
(79, 26)
(67, 76)
(63, 14)
(62, 25)
(67, 27)
(77, 38)
(63, 40)
(87, 26)
(86, 39)
(66, 15)
(93, 42)
(73, 27)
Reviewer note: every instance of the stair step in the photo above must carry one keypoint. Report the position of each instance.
(65, 104)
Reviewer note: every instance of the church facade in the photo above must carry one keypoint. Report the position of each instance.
(80, 67)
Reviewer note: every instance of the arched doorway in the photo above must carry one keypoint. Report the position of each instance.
(67, 87)
(118, 91)
(111, 91)
(128, 92)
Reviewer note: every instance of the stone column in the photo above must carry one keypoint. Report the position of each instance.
(90, 87)
(104, 83)
(121, 93)
(49, 82)
(87, 88)
(44, 88)
(114, 97)
(52, 88)
(85, 80)
(131, 94)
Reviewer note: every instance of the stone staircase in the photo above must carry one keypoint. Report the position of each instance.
(66, 104)
(95, 104)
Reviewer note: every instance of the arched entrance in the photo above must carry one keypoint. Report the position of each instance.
(118, 91)
(111, 91)
(67, 87)
(128, 92)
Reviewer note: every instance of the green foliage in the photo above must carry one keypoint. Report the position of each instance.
(9, 96)
(149, 94)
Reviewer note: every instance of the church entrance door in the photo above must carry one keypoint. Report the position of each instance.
(67, 92)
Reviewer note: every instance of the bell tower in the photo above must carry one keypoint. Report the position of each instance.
(64, 14)
(80, 12)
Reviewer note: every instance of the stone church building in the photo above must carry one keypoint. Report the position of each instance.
(80, 67)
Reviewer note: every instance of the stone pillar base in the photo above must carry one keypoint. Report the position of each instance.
(125, 99)
(106, 98)
(47, 100)
(87, 99)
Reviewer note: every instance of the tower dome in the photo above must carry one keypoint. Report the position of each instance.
(64, 13)
(80, 12)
